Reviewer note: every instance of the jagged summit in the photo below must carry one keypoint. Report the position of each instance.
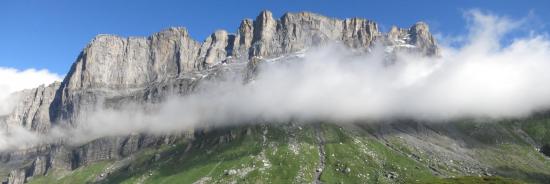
(114, 62)
(266, 36)
(109, 60)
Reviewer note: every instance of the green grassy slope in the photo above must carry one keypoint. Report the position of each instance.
(289, 153)
(86, 174)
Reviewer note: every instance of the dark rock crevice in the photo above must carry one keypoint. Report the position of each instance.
(545, 149)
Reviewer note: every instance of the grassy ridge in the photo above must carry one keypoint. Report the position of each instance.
(283, 153)
(85, 174)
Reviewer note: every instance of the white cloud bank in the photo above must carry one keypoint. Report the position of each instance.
(481, 78)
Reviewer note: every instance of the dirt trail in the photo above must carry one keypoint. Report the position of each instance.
(321, 146)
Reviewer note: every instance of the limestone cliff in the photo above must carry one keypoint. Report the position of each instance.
(112, 70)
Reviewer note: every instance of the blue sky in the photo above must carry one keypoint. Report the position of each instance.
(50, 34)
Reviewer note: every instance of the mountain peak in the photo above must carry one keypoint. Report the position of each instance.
(111, 62)
(422, 38)
(112, 70)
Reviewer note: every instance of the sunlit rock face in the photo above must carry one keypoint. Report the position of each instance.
(32, 111)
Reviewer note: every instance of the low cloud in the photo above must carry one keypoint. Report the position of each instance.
(481, 78)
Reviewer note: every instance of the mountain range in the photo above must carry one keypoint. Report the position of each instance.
(112, 72)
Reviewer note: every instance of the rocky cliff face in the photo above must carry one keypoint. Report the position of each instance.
(112, 70)
(295, 32)
(32, 111)
(418, 38)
